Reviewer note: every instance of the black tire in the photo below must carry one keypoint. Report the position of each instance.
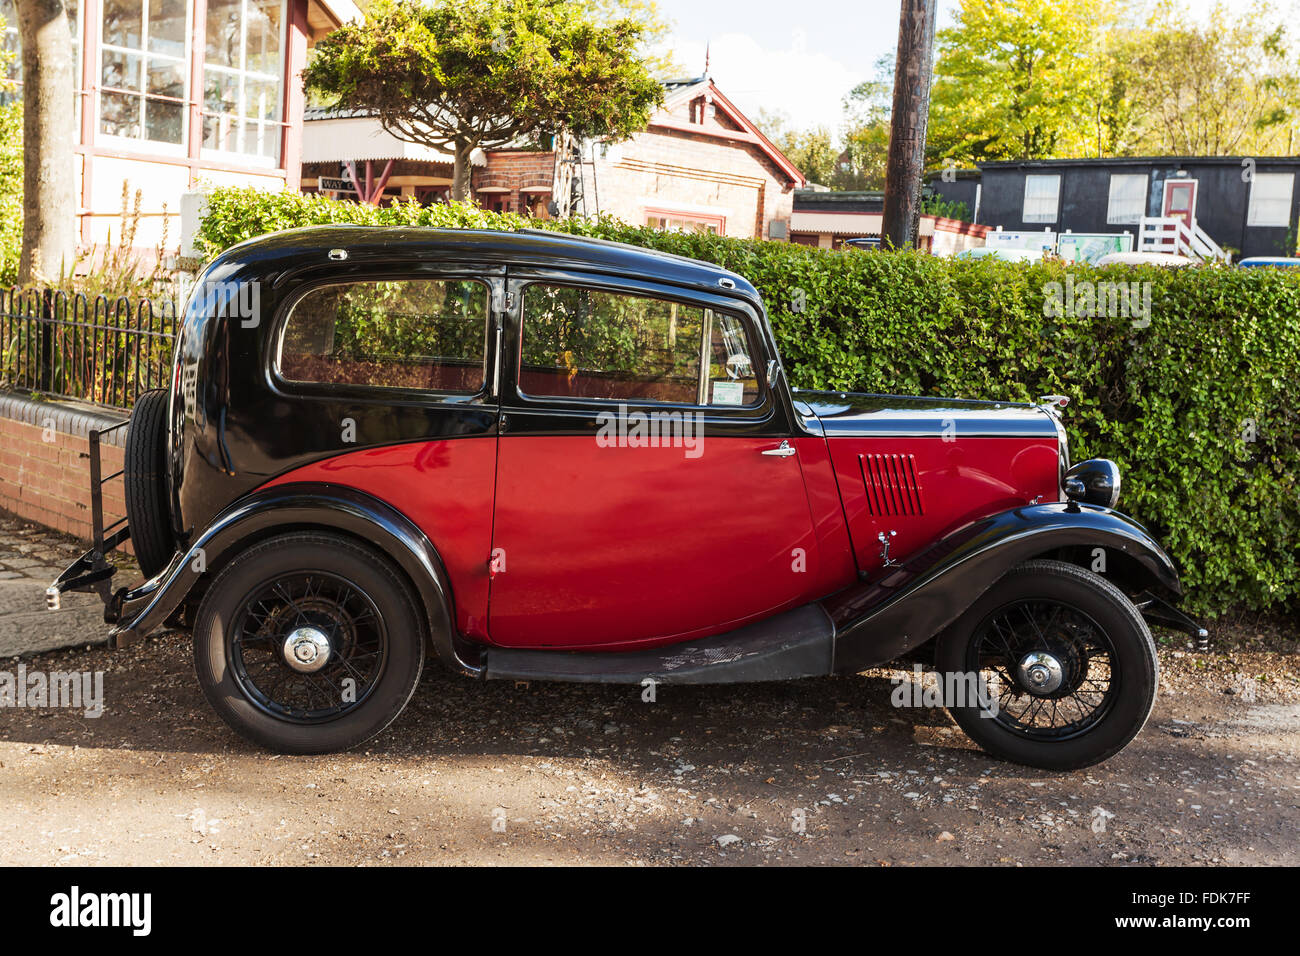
(144, 473)
(1099, 632)
(259, 598)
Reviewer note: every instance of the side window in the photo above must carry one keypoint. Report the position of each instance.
(428, 334)
(586, 343)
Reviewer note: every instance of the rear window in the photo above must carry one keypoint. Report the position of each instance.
(424, 334)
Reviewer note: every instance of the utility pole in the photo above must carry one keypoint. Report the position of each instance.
(913, 72)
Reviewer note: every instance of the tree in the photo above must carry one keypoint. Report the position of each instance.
(49, 190)
(1012, 77)
(811, 150)
(867, 110)
(1223, 87)
(11, 177)
(458, 75)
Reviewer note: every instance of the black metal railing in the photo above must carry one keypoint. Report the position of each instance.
(95, 349)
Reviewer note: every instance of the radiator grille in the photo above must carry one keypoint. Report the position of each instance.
(891, 485)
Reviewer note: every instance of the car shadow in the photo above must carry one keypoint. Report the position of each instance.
(153, 702)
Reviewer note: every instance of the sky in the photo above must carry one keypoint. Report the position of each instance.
(797, 58)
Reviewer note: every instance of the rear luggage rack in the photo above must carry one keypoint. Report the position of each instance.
(92, 571)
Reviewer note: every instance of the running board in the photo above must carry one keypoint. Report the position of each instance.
(798, 643)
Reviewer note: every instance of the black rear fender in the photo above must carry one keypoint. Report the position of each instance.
(293, 507)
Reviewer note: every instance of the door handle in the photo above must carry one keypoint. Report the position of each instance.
(783, 450)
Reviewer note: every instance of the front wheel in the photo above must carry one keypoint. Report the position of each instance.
(1066, 663)
(308, 643)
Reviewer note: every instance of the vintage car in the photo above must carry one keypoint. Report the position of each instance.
(541, 457)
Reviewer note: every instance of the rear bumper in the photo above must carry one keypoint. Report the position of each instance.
(92, 572)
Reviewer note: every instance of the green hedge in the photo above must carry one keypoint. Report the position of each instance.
(11, 190)
(1200, 407)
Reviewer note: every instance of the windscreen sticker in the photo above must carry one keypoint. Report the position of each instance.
(728, 393)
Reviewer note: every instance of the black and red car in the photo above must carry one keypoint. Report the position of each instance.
(540, 457)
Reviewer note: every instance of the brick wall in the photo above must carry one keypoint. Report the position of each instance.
(514, 170)
(45, 464)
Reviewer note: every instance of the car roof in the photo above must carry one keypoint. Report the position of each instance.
(533, 247)
(1008, 253)
(1144, 258)
(1281, 262)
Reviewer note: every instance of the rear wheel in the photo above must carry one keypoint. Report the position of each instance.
(1068, 663)
(144, 470)
(308, 643)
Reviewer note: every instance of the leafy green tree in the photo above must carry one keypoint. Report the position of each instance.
(11, 177)
(1225, 86)
(811, 150)
(1011, 77)
(867, 109)
(458, 75)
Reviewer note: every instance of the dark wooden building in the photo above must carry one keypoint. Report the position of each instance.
(1250, 207)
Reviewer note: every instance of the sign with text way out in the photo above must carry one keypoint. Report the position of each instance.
(329, 183)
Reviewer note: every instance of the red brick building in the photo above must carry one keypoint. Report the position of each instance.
(699, 164)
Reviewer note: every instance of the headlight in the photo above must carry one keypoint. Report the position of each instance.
(1095, 481)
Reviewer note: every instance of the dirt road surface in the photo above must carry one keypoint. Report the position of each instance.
(819, 771)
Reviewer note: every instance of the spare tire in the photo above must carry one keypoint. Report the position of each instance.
(144, 473)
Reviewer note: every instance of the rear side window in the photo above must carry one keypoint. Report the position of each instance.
(591, 344)
(428, 334)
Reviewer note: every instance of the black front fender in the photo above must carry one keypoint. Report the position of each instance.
(878, 621)
(287, 508)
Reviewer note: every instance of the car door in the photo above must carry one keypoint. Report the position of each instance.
(643, 491)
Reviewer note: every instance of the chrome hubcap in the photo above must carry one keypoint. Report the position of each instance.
(1039, 672)
(306, 649)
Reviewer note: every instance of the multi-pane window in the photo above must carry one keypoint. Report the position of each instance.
(684, 222)
(11, 45)
(243, 77)
(143, 69)
(1128, 198)
(1270, 199)
(421, 334)
(589, 344)
(1042, 195)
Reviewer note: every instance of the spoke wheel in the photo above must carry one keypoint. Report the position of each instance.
(1068, 664)
(309, 643)
(308, 647)
(1052, 664)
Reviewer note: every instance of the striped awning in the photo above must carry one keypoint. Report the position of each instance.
(342, 139)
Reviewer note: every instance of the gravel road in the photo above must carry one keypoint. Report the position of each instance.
(819, 771)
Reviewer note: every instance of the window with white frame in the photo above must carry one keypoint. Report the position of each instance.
(1270, 199)
(1128, 198)
(243, 77)
(1042, 194)
(11, 45)
(144, 67)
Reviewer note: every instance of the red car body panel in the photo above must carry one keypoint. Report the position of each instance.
(611, 548)
(615, 548)
(444, 487)
(922, 488)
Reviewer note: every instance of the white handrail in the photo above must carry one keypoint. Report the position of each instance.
(1170, 234)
